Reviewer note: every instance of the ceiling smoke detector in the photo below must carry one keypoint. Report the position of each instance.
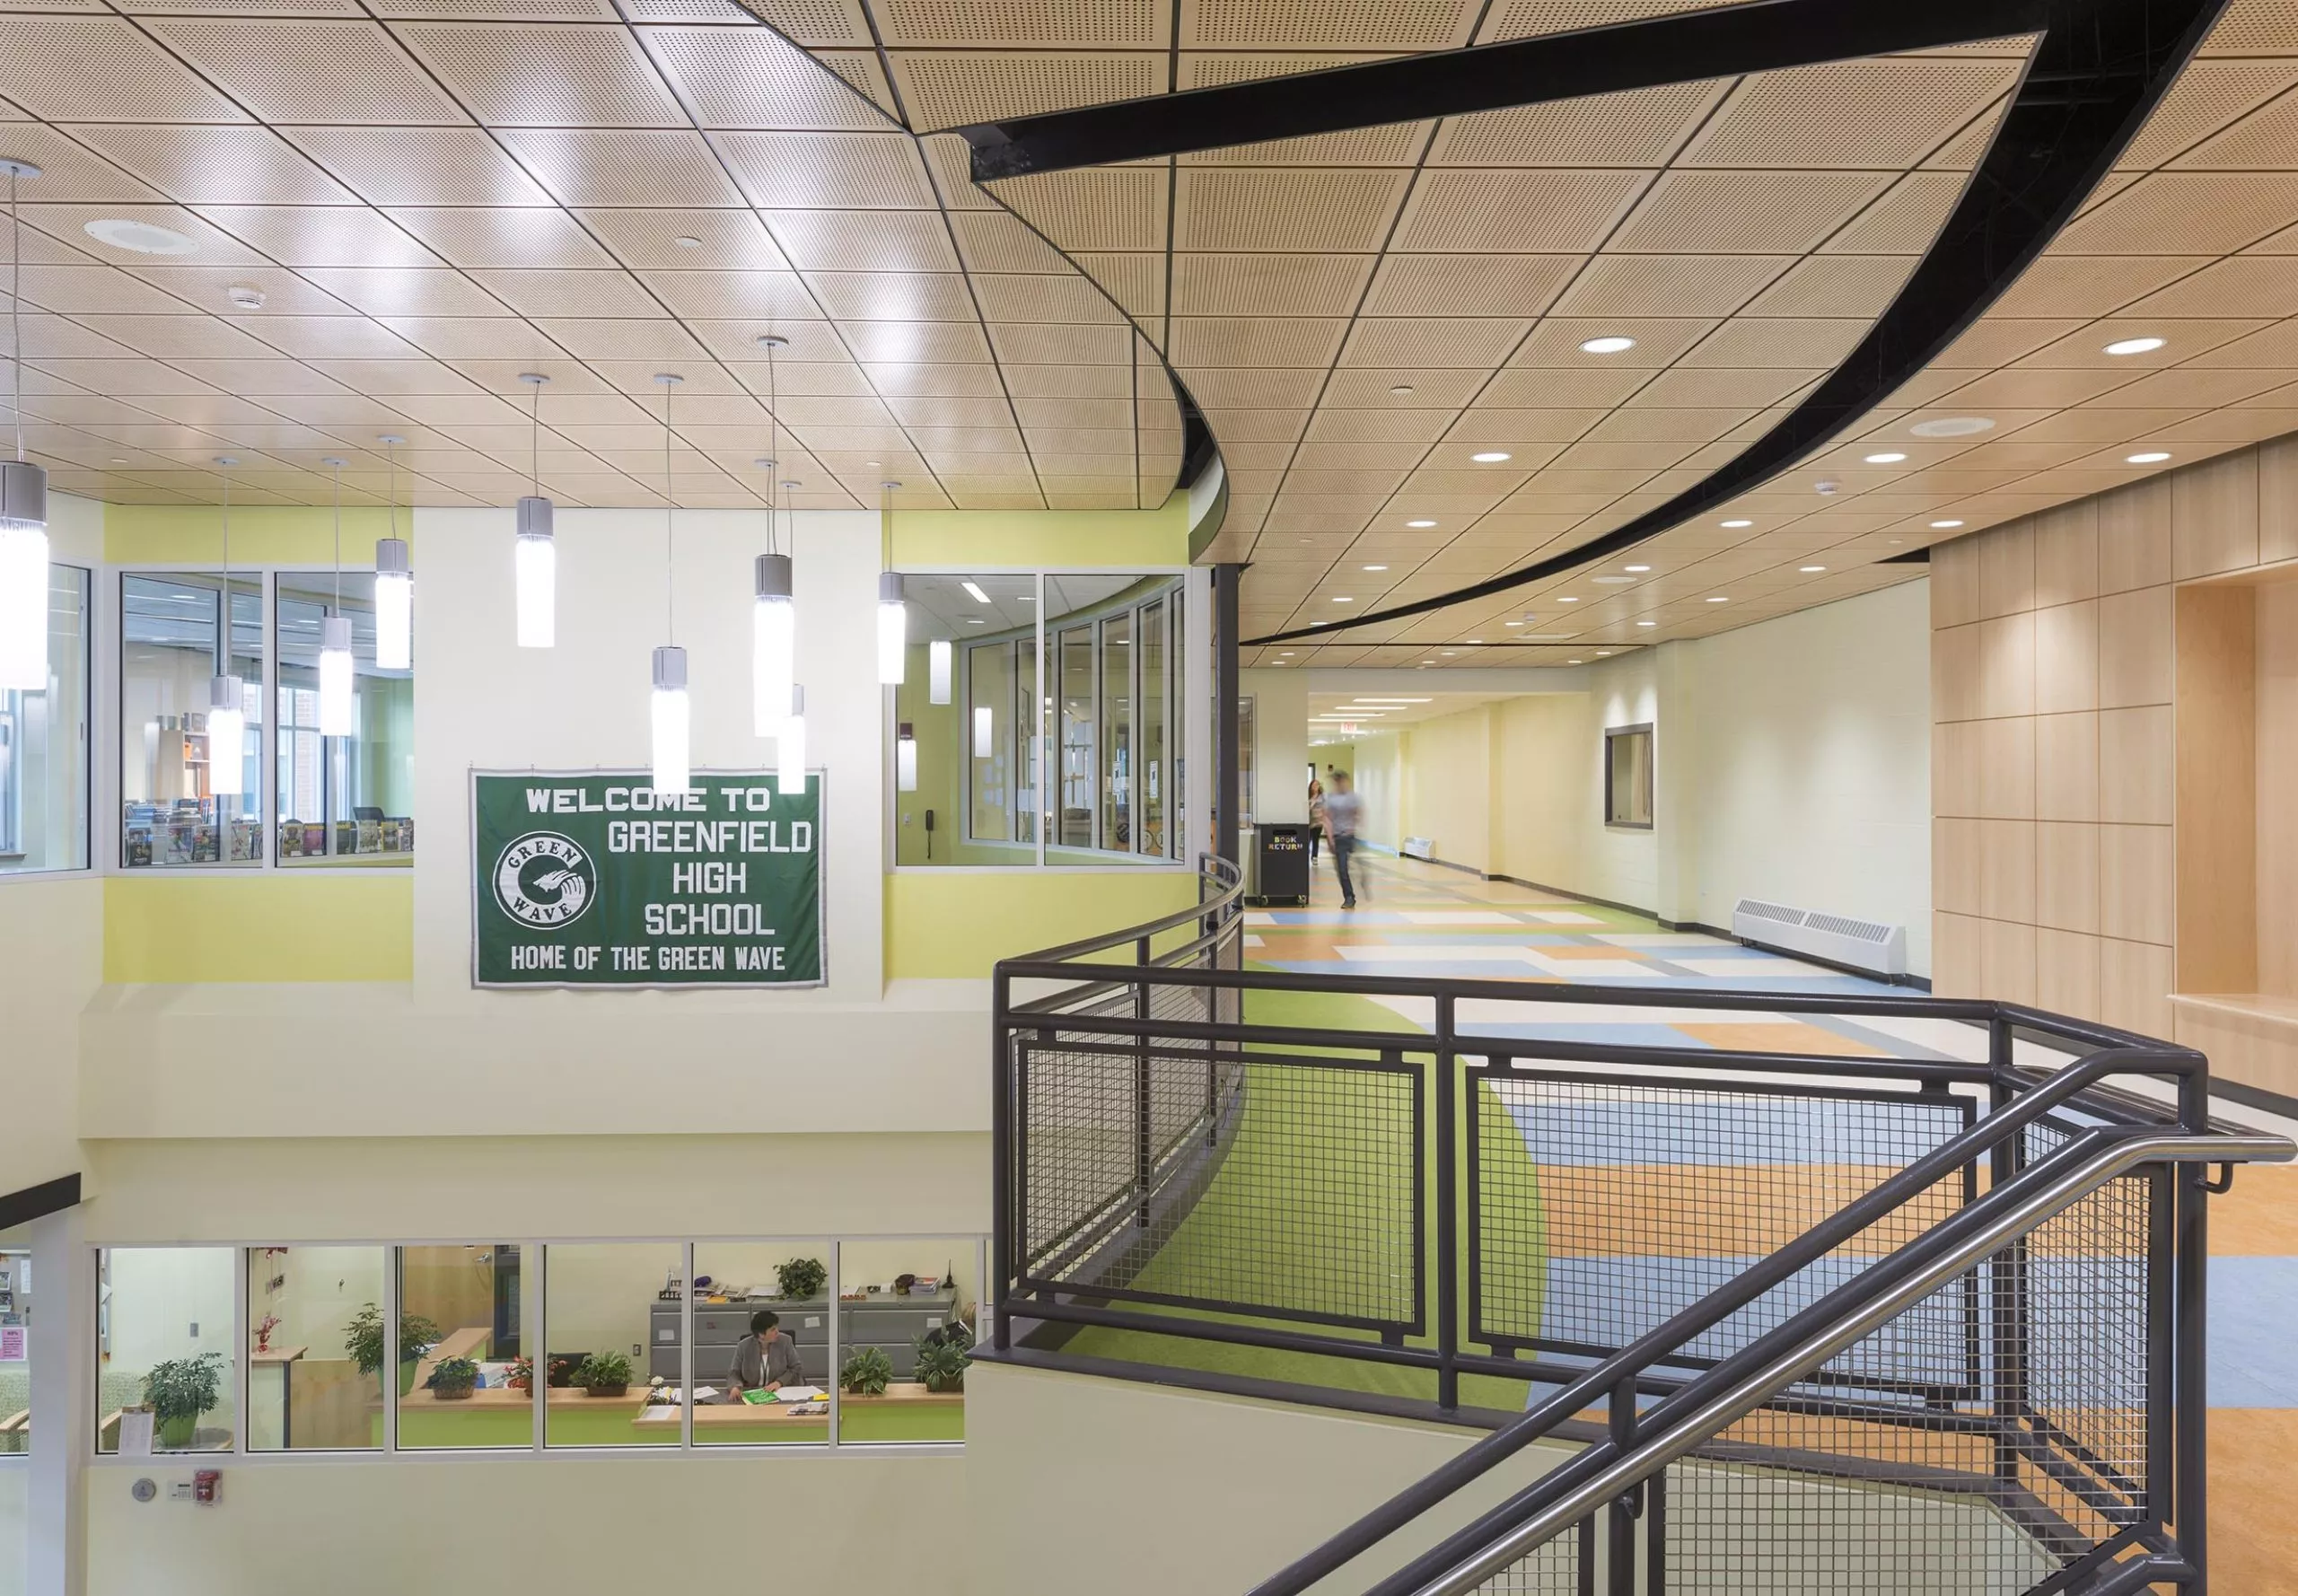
(246, 295)
(1952, 427)
(1827, 486)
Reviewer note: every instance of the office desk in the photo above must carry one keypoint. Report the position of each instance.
(786, 1419)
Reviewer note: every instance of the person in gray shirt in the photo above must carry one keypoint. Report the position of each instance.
(1344, 812)
(764, 1359)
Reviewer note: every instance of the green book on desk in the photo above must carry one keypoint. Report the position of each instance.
(758, 1398)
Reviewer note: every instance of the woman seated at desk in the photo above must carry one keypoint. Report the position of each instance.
(764, 1359)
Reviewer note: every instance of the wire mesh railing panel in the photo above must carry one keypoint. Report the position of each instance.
(1837, 1487)
(1606, 1208)
(1562, 1565)
(1290, 1187)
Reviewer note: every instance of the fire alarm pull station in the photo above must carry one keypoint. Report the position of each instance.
(207, 1486)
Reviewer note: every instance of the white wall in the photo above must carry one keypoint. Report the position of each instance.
(1811, 740)
(854, 1524)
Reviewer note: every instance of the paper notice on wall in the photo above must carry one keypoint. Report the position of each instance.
(12, 1344)
(134, 1435)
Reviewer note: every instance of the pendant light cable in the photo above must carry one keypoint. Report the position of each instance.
(773, 447)
(670, 508)
(534, 439)
(224, 654)
(15, 310)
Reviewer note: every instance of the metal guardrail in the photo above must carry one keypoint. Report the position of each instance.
(1951, 1306)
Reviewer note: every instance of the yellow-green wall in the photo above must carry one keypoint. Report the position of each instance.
(276, 925)
(261, 534)
(960, 925)
(953, 539)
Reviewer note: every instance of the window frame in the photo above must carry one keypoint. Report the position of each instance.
(108, 638)
(1651, 778)
(1169, 589)
(535, 1324)
(92, 700)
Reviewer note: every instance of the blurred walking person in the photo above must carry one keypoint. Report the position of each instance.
(1316, 817)
(1344, 814)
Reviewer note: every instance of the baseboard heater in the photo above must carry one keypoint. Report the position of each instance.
(1418, 848)
(1861, 944)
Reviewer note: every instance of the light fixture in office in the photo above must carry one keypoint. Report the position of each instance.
(774, 609)
(227, 720)
(938, 670)
(985, 732)
(394, 583)
(893, 614)
(534, 554)
(790, 747)
(670, 717)
(335, 669)
(23, 503)
(905, 759)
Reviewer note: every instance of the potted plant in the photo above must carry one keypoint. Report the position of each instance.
(942, 1361)
(800, 1279)
(177, 1391)
(559, 1373)
(604, 1374)
(453, 1380)
(867, 1373)
(522, 1377)
(363, 1344)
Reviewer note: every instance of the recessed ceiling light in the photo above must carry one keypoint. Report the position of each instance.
(1952, 427)
(1475, 641)
(1811, 570)
(1401, 388)
(2148, 457)
(1887, 458)
(2134, 346)
(1447, 653)
(1638, 570)
(976, 621)
(1567, 598)
(1344, 599)
(1945, 525)
(1610, 345)
(1376, 568)
(1611, 581)
(973, 591)
(1490, 457)
(1719, 599)
(1647, 623)
(1571, 662)
(1420, 524)
(688, 243)
(1603, 654)
(119, 459)
(1512, 623)
(143, 237)
(1735, 525)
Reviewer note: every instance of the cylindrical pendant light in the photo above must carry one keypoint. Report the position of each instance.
(535, 554)
(937, 670)
(671, 722)
(774, 632)
(23, 502)
(227, 720)
(335, 669)
(893, 614)
(790, 747)
(773, 613)
(906, 759)
(672, 719)
(985, 732)
(394, 606)
(394, 583)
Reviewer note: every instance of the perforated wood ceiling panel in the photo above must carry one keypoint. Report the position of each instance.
(431, 204)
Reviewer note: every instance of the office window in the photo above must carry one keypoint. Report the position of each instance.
(1627, 777)
(604, 1312)
(15, 1351)
(906, 1318)
(735, 1283)
(343, 801)
(164, 1342)
(313, 1338)
(172, 648)
(972, 776)
(462, 1317)
(44, 748)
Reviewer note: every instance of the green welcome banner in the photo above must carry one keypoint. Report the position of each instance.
(593, 879)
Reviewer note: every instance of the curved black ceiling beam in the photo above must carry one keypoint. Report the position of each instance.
(2099, 68)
